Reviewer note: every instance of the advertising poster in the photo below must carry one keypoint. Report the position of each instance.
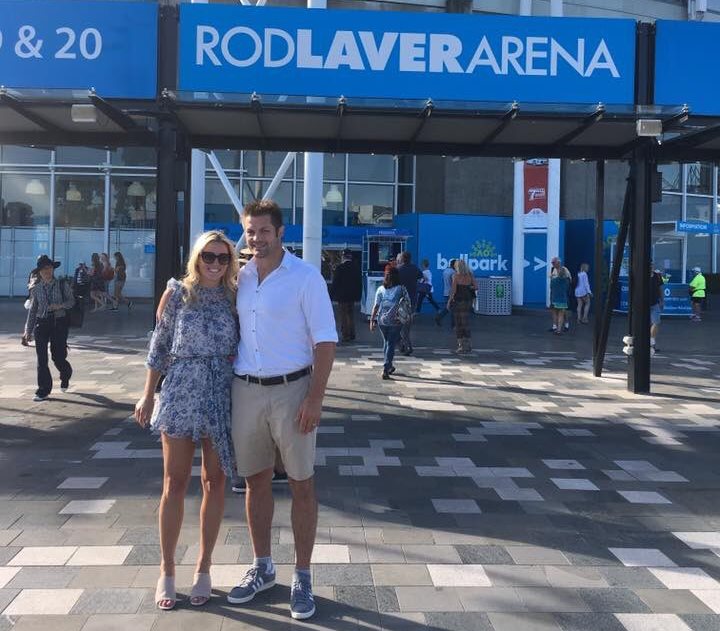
(535, 215)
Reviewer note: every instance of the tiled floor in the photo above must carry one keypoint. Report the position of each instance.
(504, 490)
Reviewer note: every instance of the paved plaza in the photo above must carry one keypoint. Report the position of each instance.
(505, 490)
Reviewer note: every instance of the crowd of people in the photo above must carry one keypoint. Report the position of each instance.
(93, 283)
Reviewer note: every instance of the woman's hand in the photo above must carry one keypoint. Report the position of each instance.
(25, 341)
(143, 410)
(373, 324)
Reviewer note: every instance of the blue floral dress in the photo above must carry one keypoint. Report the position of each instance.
(191, 346)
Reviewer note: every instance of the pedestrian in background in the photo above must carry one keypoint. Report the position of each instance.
(583, 294)
(346, 289)
(697, 294)
(557, 269)
(98, 285)
(47, 321)
(559, 291)
(120, 274)
(657, 303)
(462, 296)
(425, 288)
(195, 337)
(410, 274)
(392, 307)
(108, 273)
(447, 277)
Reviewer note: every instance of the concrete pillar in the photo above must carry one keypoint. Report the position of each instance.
(197, 195)
(518, 247)
(313, 192)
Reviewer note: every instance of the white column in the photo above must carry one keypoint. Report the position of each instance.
(518, 247)
(197, 195)
(106, 205)
(313, 192)
(518, 244)
(553, 228)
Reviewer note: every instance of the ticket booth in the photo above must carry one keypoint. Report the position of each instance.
(379, 249)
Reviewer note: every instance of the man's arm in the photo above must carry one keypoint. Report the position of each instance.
(311, 409)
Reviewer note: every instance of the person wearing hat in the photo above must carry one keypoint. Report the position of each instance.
(346, 289)
(47, 321)
(697, 294)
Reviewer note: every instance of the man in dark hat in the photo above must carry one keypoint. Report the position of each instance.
(346, 289)
(47, 321)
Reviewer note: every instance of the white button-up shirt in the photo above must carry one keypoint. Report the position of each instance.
(282, 319)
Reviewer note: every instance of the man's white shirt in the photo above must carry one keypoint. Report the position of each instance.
(282, 319)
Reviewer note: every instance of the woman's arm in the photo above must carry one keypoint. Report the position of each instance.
(453, 289)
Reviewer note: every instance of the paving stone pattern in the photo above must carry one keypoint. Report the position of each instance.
(503, 490)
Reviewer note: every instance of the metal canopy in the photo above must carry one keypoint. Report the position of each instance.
(413, 127)
(44, 118)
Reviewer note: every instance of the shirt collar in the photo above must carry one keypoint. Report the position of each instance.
(288, 261)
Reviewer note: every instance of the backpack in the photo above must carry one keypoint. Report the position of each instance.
(400, 313)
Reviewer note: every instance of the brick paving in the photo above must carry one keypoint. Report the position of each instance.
(503, 490)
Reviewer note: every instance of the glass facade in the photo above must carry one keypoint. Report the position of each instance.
(690, 193)
(358, 190)
(74, 201)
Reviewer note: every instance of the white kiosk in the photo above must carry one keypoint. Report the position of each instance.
(380, 246)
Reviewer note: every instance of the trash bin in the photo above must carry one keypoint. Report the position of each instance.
(494, 296)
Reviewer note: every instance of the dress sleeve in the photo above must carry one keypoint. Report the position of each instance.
(161, 343)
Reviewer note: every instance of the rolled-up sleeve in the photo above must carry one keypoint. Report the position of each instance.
(162, 338)
(378, 296)
(318, 310)
(32, 314)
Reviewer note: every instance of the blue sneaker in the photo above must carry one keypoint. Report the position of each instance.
(257, 579)
(302, 603)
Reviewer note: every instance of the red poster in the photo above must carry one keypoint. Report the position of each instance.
(536, 198)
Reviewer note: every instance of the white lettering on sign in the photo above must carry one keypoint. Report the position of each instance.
(410, 52)
(29, 45)
(488, 264)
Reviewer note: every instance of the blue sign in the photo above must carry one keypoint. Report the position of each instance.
(677, 299)
(685, 65)
(536, 269)
(389, 54)
(109, 46)
(697, 227)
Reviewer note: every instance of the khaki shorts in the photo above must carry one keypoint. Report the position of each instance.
(264, 417)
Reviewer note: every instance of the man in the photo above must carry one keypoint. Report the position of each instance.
(657, 303)
(409, 276)
(555, 267)
(346, 288)
(697, 294)
(285, 354)
(447, 277)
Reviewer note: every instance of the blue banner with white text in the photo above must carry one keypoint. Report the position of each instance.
(108, 46)
(403, 55)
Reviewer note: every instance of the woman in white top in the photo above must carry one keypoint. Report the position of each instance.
(583, 294)
(425, 288)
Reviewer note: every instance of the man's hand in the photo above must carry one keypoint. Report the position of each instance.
(308, 417)
(25, 341)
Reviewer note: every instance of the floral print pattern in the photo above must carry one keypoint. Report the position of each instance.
(192, 346)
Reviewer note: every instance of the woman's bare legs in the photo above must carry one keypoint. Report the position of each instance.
(177, 465)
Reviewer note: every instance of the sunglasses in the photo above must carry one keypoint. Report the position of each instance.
(211, 257)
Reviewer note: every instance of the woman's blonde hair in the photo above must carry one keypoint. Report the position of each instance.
(461, 267)
(191, 280)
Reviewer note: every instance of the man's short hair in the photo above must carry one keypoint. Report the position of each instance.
(406, 257)
(261, 207)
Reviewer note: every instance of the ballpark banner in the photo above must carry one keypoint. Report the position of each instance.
(535, 178)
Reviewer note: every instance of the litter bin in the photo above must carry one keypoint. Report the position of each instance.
(493, 296)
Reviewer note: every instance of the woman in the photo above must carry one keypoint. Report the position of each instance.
(108, 273)
(98, 286)
(559, 291)
(50, 299)
(391, 310)
(583, 294)
(462, 295)
(195, 337)
(120, 278)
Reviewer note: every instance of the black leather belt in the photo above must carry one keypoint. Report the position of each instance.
(276, 381)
